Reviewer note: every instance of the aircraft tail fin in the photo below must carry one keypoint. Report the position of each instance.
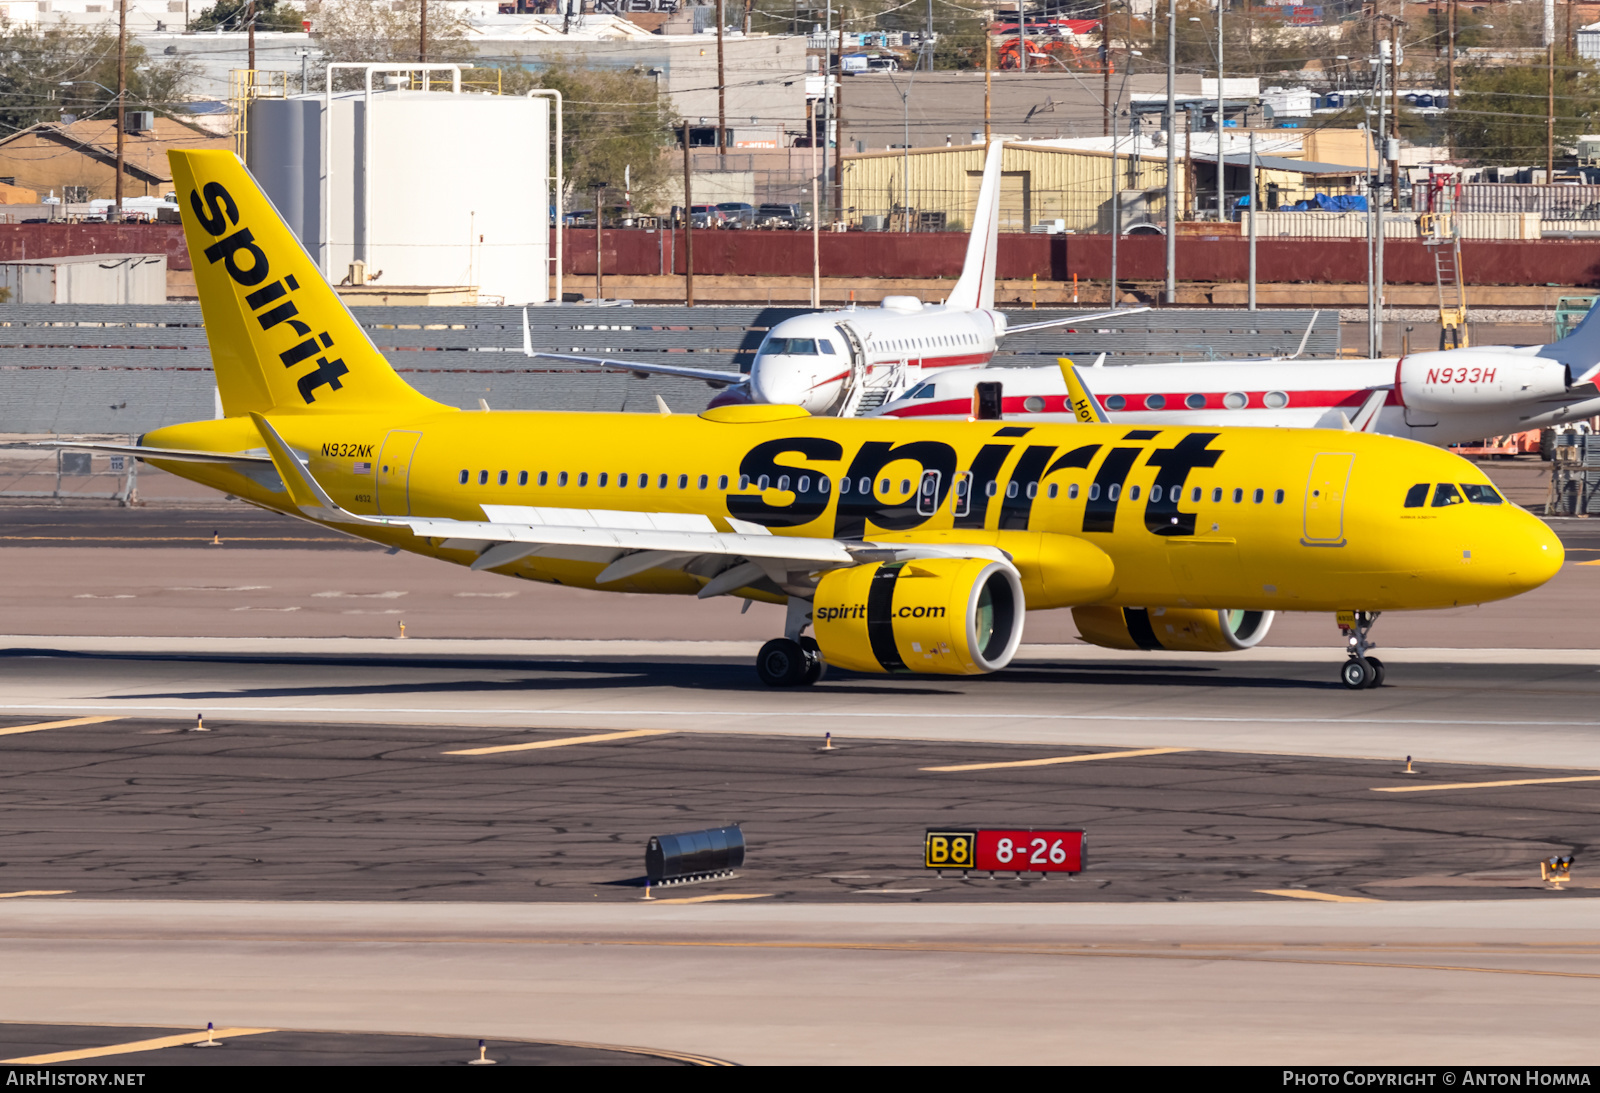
(975, 290)
(281, 339)
(1580, 349)
(1083, 404)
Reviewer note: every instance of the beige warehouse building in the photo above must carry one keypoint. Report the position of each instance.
(1064, 188)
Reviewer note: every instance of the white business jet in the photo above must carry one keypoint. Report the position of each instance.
(1443, 397)
(849, 361)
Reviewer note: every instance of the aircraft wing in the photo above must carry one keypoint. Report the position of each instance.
(1075, 319)
(629, 542)
(179, 455)
(714, 377)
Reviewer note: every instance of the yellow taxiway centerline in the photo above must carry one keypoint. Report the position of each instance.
(597, 738)
(1062, 759)
(1485, 785)
(714, 899)
(1324, 897)
(37, 892)
(136, 1045)
(12, 730)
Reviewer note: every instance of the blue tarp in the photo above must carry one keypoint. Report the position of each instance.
(1343, 203)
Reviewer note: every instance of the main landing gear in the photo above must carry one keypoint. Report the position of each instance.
(1360, 671)
(784, 662)
(792, 660)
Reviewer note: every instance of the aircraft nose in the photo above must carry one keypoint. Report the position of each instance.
(778, 383)
(1523, 554)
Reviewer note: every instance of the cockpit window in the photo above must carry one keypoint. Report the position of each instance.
(1481, 495)
(827, 346)
(795, 347)
(1417, 496)
(1446, 494)
(921, 390)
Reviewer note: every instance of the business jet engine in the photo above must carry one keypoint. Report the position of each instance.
(1468, 380)
(1177, 629)
(939, 616)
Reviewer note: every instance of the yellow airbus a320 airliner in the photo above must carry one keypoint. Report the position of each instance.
(902, 546)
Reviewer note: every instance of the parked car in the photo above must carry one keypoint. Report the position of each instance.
(704, 216)
(783, 216)
(737, 214)
(616, 216)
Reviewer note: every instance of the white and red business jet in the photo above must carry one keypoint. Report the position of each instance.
(1444, 397)
(849, 361)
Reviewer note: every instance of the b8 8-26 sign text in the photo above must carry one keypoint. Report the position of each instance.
(1008, 850)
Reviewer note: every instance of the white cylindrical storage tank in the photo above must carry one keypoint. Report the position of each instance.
(445, 189)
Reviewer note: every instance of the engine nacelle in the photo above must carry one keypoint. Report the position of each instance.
(1177, 629)
(1467, 380)
(943, 616)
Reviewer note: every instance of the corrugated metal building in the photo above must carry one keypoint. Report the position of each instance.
(87, 279)
(1068, 189)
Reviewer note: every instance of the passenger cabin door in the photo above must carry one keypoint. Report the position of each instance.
(1325, 493)
(928, 493)
(394, 472)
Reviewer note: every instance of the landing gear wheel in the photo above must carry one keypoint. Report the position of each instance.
(1356, 673)
(782, 663)
(816, 668)
(1377, 672)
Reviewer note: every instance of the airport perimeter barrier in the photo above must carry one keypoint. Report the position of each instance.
(127, 369)
(694, 855)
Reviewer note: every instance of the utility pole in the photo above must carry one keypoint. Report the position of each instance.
(838, 131)
(422, 34)
(927, 42)
(122, 96)
(722, 91)
(250, 31)
(1172, 155)
(599, 220)
(688, 224)
(988, 81)
(1105, 67)
(816, 208)
(1222, 169)
(1550, 115)
(1022, 39)
(1116, 205)
(1251, 213)
(1394, 114)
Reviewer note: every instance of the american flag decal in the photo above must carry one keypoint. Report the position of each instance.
(363, 468)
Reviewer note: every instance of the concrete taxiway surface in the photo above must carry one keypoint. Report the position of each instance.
(1505, 707)
(753, 982)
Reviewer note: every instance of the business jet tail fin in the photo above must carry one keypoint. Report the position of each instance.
(975, 290)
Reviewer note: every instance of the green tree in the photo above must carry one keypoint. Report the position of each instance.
(1499, 113)
(46, 72)
(613, 119)
(358, 30)
(234, 15)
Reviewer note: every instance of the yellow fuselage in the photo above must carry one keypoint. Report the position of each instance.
(1263, 519)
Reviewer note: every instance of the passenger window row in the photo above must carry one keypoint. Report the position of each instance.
(805, 484)
(1446, 494)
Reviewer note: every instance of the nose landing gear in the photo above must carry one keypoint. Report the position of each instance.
(1360, 671)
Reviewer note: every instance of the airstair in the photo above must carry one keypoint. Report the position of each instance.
(1440, 236)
